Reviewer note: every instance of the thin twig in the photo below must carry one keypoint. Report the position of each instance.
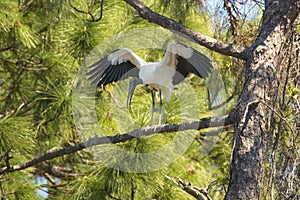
(89, 11)
(232, 19)
(279, 115)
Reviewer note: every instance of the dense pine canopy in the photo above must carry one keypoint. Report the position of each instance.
(44, 47)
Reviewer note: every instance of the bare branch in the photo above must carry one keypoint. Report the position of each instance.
(232, 19)
(198, 193)
(140, 132)
(89, 11)
(228, 49)
(57, 171)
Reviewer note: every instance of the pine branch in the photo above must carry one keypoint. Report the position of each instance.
(118, 138)
(228, 49)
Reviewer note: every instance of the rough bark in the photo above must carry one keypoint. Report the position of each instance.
(251, 114)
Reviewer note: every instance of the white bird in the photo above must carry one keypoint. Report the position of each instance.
(178, 61)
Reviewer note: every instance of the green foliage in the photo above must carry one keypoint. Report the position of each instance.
(19, 185)
(175, 8)
(42, 46)
(16, 130)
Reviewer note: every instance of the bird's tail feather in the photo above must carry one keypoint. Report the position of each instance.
(166, 93)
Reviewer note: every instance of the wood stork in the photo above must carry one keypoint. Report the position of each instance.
(178, 61)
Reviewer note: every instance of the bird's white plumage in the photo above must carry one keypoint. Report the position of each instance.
(123, 55)
(180, 50)
(174, 49)
(178, 61)
(158, 76)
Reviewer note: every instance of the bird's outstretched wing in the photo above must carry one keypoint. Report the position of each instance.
(116, 66)
(186, 60)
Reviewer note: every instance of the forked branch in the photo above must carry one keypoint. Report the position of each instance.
(88, 12)
(198, 193)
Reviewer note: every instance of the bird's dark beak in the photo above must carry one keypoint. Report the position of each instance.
(133, 83)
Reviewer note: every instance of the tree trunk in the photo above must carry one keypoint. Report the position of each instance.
(251, 116)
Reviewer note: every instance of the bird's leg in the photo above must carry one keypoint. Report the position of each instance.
(153, 106)
(160, 106)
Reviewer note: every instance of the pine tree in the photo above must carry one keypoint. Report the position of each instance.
(46, 45)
